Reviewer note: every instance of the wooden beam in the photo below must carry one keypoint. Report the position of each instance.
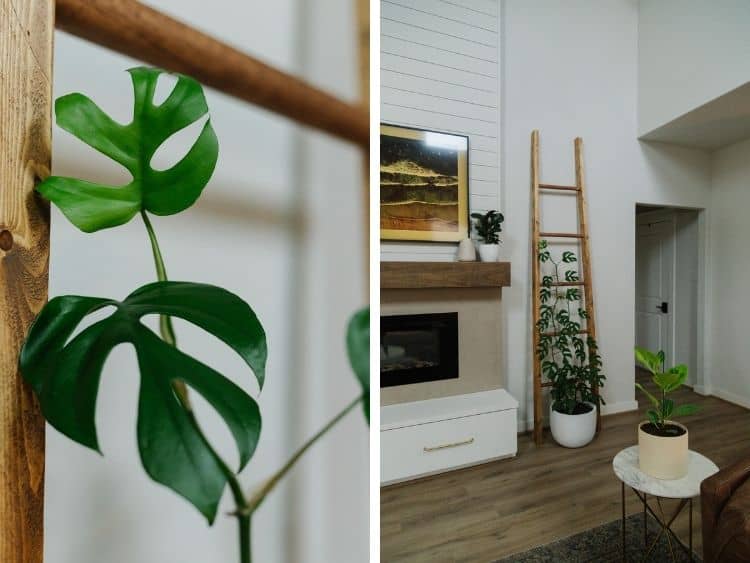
(133, 29)
(585, 258)
(425, 275)
(26, 31)
(558, 187)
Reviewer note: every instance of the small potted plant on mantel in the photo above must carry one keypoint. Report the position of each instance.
(662, 442)
(570, 364)
(488, 227)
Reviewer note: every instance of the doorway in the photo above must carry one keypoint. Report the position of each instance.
(668, 284)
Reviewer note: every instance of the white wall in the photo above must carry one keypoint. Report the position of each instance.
(572, 71)
(440, 71)
(729, 375)
(691, 52)
(687, 289)
(268, 228)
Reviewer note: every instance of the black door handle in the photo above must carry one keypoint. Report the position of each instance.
(664, 307)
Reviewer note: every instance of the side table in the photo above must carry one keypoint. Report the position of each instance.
(625, 465)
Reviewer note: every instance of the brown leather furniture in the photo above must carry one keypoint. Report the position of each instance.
(725, 507)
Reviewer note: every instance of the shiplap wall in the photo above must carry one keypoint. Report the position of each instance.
(439, 70)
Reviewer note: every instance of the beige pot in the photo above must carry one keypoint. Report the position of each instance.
(663, 457)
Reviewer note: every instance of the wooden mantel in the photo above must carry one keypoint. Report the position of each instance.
(423, 275)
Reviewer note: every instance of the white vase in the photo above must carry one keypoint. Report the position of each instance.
(489, 252)
(663, 457)
(573, 430)
(466, 251)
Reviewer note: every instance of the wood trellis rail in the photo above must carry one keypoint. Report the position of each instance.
(133, 29)
(26, 40)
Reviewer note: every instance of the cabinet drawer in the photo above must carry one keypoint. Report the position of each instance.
(414, 451)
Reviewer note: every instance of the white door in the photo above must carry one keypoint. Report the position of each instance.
(654, 272)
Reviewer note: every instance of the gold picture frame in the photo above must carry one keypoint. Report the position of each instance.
(424, 185)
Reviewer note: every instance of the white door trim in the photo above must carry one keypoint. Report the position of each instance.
(700, 377)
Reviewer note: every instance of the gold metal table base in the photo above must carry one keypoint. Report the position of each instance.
(666, 525)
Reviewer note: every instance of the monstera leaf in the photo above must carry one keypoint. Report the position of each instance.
(358, 348)
(65, 372)
(91, 206)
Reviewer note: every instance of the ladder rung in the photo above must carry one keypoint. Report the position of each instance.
(556, 333)
(556, 187)
(560, 235)
(566, 283)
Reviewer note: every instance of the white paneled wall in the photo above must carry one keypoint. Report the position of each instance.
(440, 71)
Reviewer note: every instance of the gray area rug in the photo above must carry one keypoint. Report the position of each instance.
(603, 544)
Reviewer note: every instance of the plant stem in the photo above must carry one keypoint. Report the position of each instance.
(259, 496)
(165, 323)
(246, 554)
(167, 334)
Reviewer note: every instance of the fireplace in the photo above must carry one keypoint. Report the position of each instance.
(418, 348)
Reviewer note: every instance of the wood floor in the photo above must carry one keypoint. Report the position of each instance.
(493, 510)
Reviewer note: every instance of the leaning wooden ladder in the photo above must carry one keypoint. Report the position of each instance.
(582, 236)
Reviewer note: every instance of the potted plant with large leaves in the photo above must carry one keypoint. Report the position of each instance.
(571, 365)
(663, 442)
(63, 362)
(489, 226)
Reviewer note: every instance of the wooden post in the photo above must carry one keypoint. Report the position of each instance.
(535, 279)
(137, 30)
(583, 228)
(26, 29)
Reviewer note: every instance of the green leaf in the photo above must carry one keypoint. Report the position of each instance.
(680, 373)
(665, 381)
(213, 309)
(653, 416)
(91, 206)
(358, 349)
(648, 360)
(651, 398)
(568, 257)
(667, 407)
(65, 375)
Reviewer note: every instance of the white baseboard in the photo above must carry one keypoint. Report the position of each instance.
(704, 390)
(622, 406)
(610, 408)
(731, 398)
(525, 425)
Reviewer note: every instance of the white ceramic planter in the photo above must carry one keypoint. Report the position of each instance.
(663, 457)
(489, 252)
(573, 430)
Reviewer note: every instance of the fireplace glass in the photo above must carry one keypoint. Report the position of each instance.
(418, 348)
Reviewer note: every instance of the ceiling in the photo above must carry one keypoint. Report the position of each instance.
(722, 121)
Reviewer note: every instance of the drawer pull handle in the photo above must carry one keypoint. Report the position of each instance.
(446, 446)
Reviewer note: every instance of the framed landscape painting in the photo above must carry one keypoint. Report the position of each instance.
(424, 185)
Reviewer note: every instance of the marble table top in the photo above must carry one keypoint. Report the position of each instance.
(626, 468)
